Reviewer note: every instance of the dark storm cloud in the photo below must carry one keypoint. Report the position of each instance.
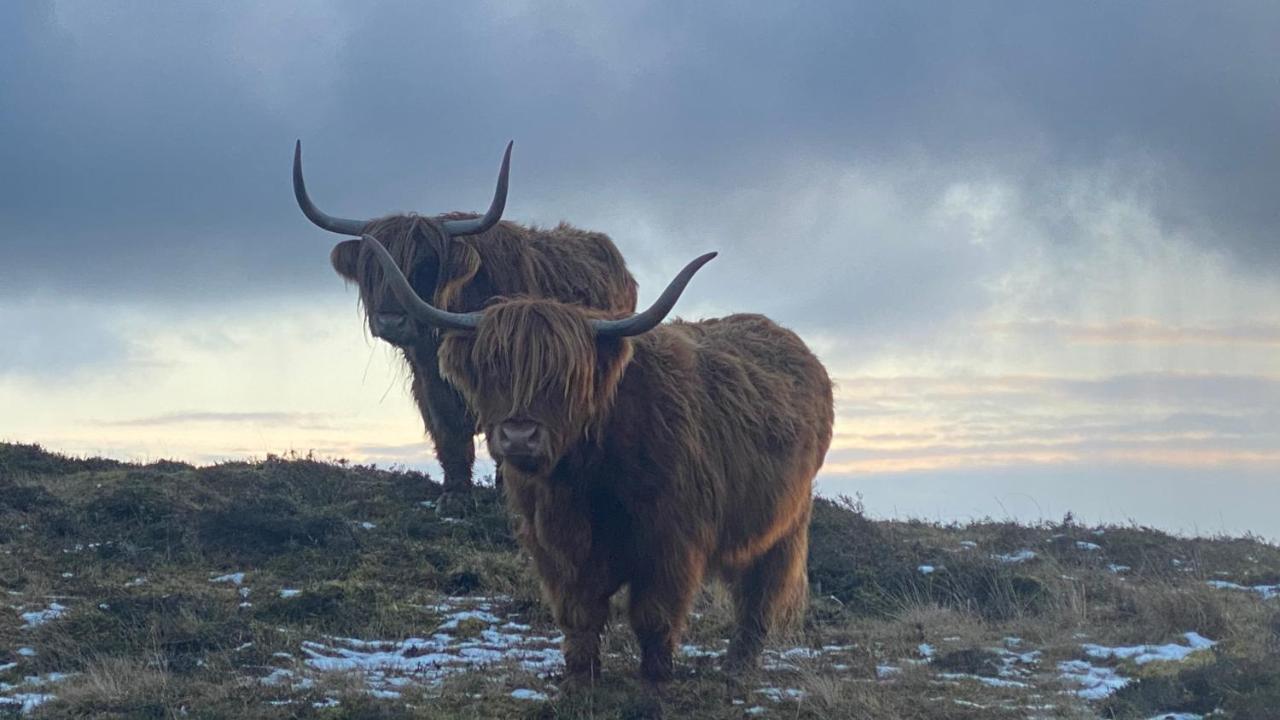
(145, 147)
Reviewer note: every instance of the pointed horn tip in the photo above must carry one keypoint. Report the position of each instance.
(703, 259)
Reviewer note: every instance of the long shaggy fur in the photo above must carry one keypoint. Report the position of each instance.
(685, 451)
(566, 263)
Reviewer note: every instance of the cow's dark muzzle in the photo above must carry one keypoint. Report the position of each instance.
(523, 443)
(395, 328)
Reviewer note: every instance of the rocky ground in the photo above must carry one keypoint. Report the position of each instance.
(297, 588)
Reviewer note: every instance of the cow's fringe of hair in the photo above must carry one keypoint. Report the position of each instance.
(543, 351)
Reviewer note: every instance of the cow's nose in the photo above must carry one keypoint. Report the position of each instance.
(390, 325)
(519, 437)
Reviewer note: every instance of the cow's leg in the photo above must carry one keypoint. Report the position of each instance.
(582, 617)
(445, 415)
(660, 606)
(771, 589)
(452, 429)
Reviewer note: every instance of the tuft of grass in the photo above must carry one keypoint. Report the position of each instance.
(132, 550)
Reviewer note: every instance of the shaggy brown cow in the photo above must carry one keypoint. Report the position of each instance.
(462, 261)
(646, 455)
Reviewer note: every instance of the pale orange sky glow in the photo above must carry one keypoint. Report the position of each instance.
(1038, 258)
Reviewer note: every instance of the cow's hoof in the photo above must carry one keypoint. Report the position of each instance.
(453, 504)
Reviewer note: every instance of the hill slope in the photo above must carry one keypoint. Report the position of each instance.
(298, 588)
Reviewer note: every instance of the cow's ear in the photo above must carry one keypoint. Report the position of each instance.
(344, 258)
(464, 263)
(613, 354)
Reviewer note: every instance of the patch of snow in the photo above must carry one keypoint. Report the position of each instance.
(233, 578)
(694, 651)
(926, 569)
(1017, 557)
(989, 681)
(6, 667)
(136, 582)
(27, 701)
(428, 661)
(289, 592)
(40, 617)
(886, 671)
(326, 703)
(968, 544)
(926, 651)
(26, 652)
(367, 525)
(1143, 654)
(755, 710)
(1087, 546)
(526, 694)
(1266, 591)
(1178, 716)
(781, 694)
(47, 678)
(1117, 569)
(281, 677)
(1095, 683)
(481, 615)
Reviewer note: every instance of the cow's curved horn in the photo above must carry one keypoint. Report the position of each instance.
(645, 321)
(342, 226)
(414, 305)
(473, 226)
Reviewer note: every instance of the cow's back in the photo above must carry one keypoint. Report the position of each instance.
(764, 414)
(565, 263)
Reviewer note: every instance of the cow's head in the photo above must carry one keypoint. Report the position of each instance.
(436, 267)
(539, 374)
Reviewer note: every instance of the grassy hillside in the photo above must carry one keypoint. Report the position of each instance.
(297, 588)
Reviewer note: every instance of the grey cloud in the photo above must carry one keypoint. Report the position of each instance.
(149, 153)
(46, 341)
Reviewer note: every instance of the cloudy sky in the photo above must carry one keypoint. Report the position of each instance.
(1036, 245)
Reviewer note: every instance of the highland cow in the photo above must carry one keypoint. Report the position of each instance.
(647, 455)
(461, 261)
